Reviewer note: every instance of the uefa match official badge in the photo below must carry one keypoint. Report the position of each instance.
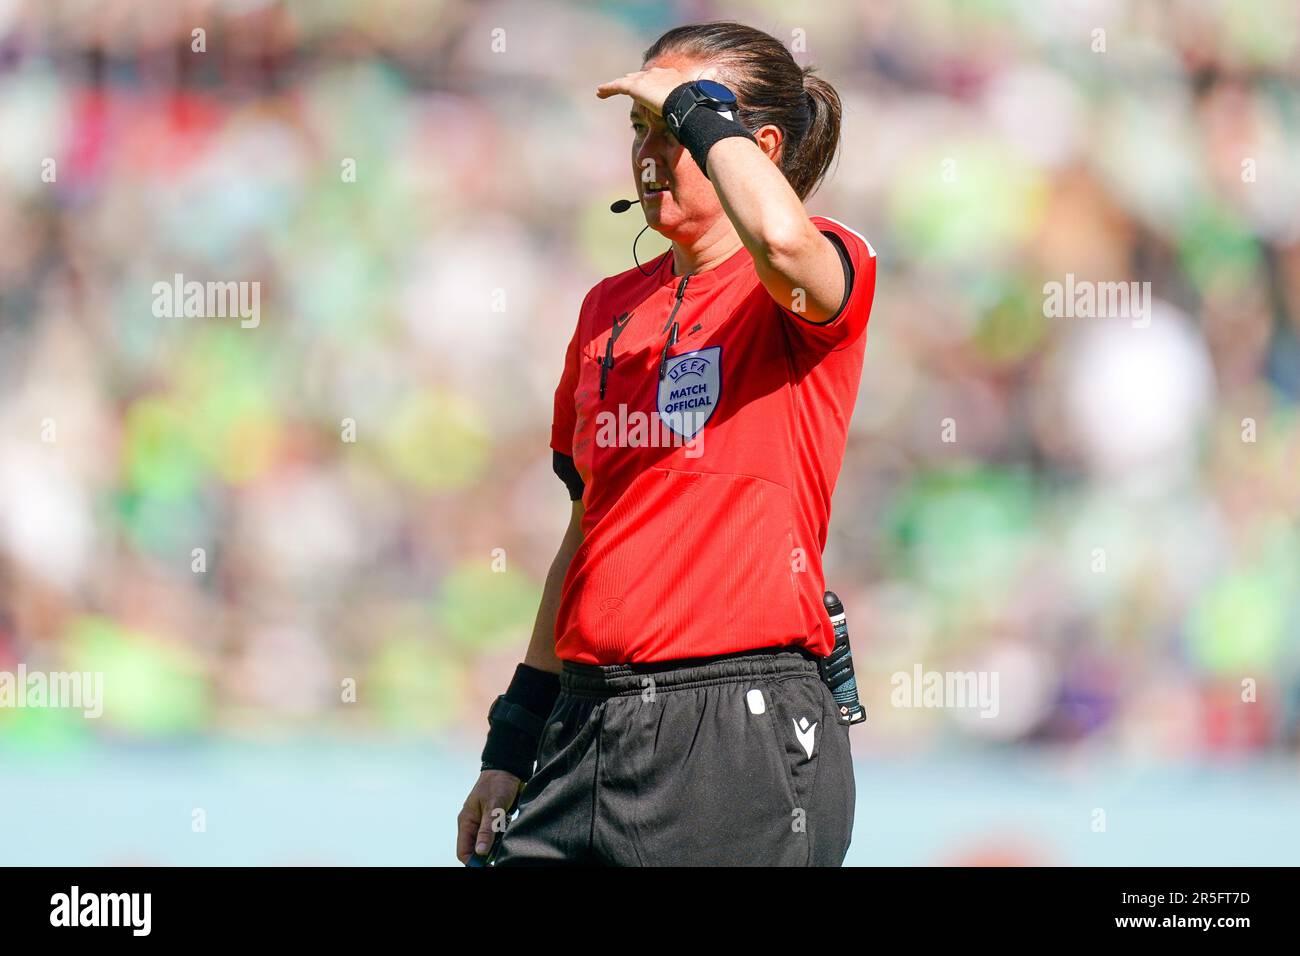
(690, 390)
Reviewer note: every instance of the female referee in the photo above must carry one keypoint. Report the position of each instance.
(671, 696)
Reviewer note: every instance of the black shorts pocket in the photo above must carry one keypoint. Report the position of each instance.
(836, 794)
(558, 735)
(799, 725)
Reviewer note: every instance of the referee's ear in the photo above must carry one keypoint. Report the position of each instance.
(771, 141)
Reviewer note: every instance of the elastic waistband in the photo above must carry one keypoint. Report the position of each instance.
(623, 680)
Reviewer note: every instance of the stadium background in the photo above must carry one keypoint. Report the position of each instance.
(989, 149)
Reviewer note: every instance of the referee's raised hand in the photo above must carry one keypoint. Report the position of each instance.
(495, 790)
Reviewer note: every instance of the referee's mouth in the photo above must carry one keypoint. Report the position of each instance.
(656, 188)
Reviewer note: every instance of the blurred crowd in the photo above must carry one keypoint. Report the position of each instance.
(338, 522)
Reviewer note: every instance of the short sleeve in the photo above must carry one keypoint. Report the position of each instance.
(859, 261)
(565, 415)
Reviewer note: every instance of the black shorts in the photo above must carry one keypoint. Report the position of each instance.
(731, 761)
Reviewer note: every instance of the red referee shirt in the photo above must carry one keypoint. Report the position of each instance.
(707, 491)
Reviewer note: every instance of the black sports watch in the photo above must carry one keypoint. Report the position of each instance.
(708, 93)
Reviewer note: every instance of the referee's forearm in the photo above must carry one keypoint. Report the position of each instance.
(756, 197)
(789, 252)
(541, 646)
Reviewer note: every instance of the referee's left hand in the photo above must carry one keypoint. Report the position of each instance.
(494, 789)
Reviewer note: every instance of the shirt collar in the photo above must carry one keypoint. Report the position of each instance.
(708, 279)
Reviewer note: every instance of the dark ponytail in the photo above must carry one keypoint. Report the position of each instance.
(771, 89)
(820, 142)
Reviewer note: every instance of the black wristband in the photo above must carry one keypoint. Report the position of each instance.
(700, 127)
(517, 719)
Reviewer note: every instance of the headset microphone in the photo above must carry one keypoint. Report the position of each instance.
(623, 205)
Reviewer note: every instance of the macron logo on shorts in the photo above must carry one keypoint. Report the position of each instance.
(805, 733)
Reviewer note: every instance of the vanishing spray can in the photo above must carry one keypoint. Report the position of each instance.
(837, 666)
